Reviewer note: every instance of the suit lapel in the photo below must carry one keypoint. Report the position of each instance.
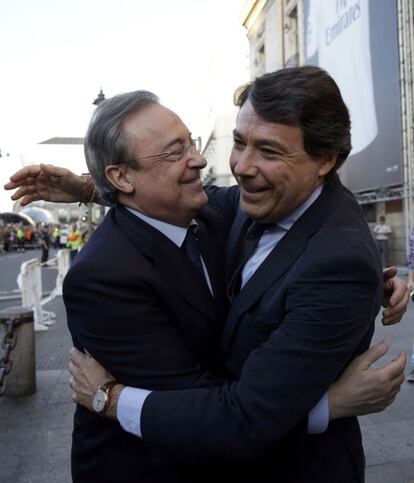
(239, 228)
(213, 260)
(170, 261)
(282, 257)
(180, 274)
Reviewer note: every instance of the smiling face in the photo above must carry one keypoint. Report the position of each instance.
(171, 191)
(274, 172)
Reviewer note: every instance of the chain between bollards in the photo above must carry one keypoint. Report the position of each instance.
(8, 344)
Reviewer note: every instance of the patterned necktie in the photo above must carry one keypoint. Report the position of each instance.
(249, 245)
(191, 248)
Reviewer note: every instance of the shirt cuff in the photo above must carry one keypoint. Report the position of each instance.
(129, 408)
(318, 417)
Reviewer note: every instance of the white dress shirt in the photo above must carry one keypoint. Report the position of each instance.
(175, 233)
(131, 400)
(382, 231)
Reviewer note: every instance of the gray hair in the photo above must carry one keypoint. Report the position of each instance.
(106, 144)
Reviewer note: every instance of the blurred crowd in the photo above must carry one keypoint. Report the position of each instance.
(18, 237)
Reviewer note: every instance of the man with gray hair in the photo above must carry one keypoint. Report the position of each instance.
(134, 298)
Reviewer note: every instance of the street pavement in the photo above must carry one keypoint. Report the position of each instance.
(35, 431)
(9, 270)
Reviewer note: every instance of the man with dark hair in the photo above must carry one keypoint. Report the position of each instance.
(288, 97)
(305, 285)
(304, 299)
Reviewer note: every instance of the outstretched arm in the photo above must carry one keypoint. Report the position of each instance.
(50, 183)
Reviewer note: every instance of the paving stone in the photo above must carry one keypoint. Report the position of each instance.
(401, 472)
(53, 345)
(389, 442)
(62, 392)
(10, 465)
(52, 463)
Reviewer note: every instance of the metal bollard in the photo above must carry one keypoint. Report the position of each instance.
(21, 379)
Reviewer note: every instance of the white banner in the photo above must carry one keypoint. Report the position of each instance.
(338, 31)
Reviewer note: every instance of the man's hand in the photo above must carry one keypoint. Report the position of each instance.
(48, 183)
(396, 297)
(361, 389)
(86, 376)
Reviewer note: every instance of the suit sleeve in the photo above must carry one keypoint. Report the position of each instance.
(329, 313)
(225, 200)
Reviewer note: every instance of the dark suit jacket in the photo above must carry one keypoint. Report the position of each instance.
(306, 312)
(137, 303)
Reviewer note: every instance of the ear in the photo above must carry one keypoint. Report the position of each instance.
(327, 164)
(117, 176)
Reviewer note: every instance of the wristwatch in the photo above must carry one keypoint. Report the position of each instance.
(100, 400)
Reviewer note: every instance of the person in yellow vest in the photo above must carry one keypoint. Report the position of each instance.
(74, 242)
(56, 237)
(20, 239)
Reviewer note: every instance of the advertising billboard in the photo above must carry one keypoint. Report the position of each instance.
(356, 41)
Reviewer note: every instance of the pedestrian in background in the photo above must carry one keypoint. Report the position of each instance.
(64, 236)
(28, 234)
(382, 233)
(6, 237)
(410, 265)
(20, 239)
(2, 230)
(74, 242)
(56, 237)
(45, 243)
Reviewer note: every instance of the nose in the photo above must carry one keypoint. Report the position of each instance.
(196, 160)
(242, 163)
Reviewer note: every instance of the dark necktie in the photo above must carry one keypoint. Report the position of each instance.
(191, 248)
(249, 245)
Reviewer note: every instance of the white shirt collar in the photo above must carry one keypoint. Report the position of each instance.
(175, 233)
(287, 222)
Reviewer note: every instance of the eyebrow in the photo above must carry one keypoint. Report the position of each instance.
(264, 142)
(178, 139)
(172, 142)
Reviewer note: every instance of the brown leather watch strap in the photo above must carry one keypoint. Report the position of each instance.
(107, 387)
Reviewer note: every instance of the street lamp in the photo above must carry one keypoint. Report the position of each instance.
(99, 99)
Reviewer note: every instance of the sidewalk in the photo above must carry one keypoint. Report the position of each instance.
(35, 431)
(389, 436)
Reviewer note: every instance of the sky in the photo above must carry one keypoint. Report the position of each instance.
(55, 55)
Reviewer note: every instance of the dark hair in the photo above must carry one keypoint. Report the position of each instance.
(308, 97)
(105, 143)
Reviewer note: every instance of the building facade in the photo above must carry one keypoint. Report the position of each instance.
(368, 48)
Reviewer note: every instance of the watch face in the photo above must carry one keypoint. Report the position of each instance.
(99, 401)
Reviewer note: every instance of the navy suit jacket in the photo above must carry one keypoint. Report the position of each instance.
(136, 302)
(306, 312)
